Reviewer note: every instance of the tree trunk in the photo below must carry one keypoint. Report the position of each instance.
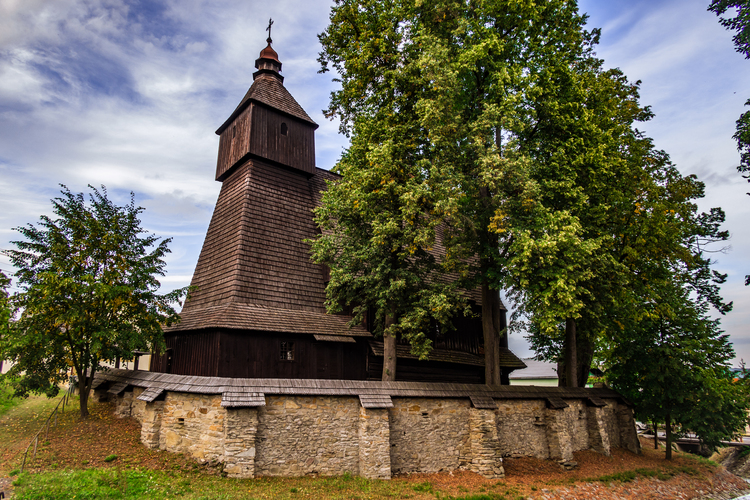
(504, 374)
(83, 394)
(562, 380)
(656, 434)
(491, 334)
(389, 350)
(668, 429)
(571, 363)
(584, 355)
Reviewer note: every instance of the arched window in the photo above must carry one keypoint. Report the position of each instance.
(284, 129)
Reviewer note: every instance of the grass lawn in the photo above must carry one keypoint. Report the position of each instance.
(102, 458)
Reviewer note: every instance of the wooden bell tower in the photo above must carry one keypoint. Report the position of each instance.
(268, 124)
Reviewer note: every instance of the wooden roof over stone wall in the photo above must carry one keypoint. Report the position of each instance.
(252, 389)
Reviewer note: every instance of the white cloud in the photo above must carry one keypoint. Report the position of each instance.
(96, 92)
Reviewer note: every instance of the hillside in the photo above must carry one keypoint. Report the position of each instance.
(103, 458)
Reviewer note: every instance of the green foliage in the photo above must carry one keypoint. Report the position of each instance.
(112, 484)
(673, 365)
(7, 401)
(379, 221)
(5, 308)
(427, 90)
(425, 487)
(110, 458)
(740, 22)
(89, 293)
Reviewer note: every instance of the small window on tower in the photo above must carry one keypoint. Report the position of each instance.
(287, 351)
(283, 129)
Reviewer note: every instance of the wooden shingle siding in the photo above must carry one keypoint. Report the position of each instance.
(483, 402)
(254, 251)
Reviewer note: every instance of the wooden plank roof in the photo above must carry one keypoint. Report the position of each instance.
(254, 260)
(483, 402)
(269, 319)
(507, 358)
(319, 387)
(150, 394)
(375, 401)
(269, 90)
(242, 399)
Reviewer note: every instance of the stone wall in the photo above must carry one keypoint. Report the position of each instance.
(521, 428)
(193, 424)
(429, 435)
(308, 435)
(295, 435)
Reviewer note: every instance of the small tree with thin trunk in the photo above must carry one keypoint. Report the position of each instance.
(88, 280)
(673, 365)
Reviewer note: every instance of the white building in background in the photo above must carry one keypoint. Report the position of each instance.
(536, 373)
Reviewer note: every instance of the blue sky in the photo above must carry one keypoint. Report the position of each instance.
(128, 94)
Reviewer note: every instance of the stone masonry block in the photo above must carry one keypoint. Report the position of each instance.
(485, 454)
(558, 435)
(598, 435)
(374, 443)
(240, 429)
(628, 434)
(151, 424)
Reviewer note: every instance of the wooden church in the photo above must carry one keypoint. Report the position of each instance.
(257, 310)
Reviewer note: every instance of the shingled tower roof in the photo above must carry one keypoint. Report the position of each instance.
(268, 88)
(254, 271)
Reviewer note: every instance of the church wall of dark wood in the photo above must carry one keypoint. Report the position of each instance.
(295, 149)
(267, 134)
(413, 370)
(194, 353)
(253, 355)
(258, 355)
(234, 143)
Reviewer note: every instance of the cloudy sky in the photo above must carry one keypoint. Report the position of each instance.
(129, 93)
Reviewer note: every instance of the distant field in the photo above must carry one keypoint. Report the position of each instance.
(102, 458)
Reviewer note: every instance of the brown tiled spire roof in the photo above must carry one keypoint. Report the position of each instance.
(268, 89)
(254, 251)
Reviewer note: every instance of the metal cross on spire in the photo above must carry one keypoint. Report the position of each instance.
(270, 22)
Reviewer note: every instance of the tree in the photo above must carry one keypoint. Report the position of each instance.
(462, 69)
(5, 310)
(741, 24)
(379, 221)
(673, 365)
(89, 284)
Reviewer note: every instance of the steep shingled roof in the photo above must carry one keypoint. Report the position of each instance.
(269, 90)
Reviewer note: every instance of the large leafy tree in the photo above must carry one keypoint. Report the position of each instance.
(89, 283)
(740, 23)
(379, 221)
(462, 70)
